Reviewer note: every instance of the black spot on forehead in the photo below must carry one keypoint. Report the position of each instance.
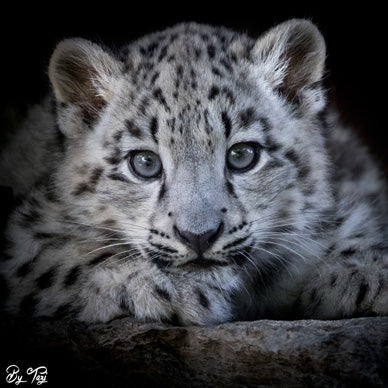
(247, 117)
(118, 135)
(211, 51)
(163, 53)
(158, 94)
(265, 124)
(228, 94)
(213, 92)
(227, 65)
(133, 129)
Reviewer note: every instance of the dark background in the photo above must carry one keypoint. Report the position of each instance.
(356, 63)
(355, 36)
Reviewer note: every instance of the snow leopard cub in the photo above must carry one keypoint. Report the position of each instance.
(195, 177)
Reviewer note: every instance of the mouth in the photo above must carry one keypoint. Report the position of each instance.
(202, 263)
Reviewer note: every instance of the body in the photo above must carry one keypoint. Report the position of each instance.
(195, 176)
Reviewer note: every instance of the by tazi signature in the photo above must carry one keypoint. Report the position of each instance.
(36, 376)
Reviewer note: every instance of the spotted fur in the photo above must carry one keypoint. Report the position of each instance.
(301, 232)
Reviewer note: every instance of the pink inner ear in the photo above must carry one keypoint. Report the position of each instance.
(296, 52)
(77, 83)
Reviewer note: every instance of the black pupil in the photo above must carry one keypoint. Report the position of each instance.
(147, 160)
(146, 164)
(241, 156)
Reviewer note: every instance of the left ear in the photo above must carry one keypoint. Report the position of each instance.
(291, 57)
(82, 74)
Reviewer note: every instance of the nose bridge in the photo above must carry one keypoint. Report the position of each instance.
(196, 199)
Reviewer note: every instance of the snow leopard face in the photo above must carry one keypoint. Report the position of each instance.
(192, 164)
(189, 148)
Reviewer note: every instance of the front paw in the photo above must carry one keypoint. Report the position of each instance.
(110, 294)
(343, 289)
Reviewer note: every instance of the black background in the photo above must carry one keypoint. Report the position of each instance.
(355, 36)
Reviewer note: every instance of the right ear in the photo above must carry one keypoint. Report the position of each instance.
(82, 75)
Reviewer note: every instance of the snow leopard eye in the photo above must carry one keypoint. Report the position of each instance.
(242, 157)
(145, 164)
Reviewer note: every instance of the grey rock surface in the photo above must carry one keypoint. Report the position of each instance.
(343, 353)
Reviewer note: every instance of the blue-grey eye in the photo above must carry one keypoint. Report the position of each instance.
(242, 157)
(145, 164)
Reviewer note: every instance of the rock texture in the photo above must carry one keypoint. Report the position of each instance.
(122, 353)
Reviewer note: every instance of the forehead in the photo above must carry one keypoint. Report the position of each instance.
(185, 84)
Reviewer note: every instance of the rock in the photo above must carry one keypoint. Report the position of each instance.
(340, 353)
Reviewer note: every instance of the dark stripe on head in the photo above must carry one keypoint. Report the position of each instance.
(227, 123)
(228, 94)
(211, 50)
(46, 280)
(158, 94)
(154, 128)
(133, 129)
(265, 124)
(163, 53)
(247, 117)
(224, 62)
(213, 92)
(118, 135)
(162, 293)
(72, 276)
